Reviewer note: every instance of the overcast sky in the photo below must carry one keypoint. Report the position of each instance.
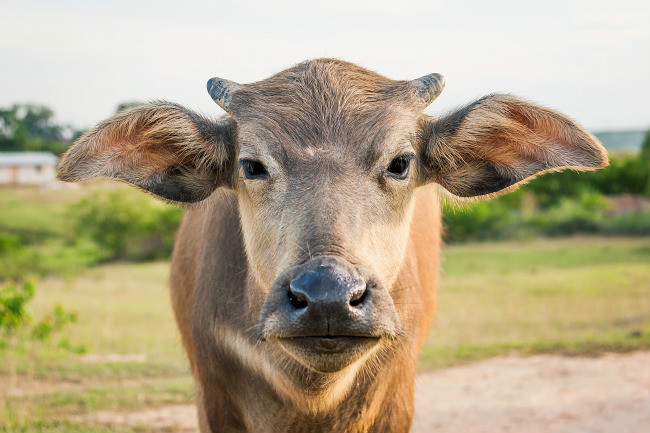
(588, 59)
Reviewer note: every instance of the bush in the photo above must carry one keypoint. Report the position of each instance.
(20, 261)
(16, 332)
(127, 225)
(498, 219)
(633, 224)
(477, 221)
(9, 243)
(16, 261)
(15, 316)
(571, 216)
(13, 307)
(52, 323)
(626, 174)
(120, 224)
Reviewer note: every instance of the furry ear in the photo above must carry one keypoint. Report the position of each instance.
(163, 148)
(500, 141)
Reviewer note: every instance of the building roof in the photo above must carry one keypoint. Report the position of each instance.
(25, 159)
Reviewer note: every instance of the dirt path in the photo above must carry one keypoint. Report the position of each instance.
(524, 395)
(538, 394)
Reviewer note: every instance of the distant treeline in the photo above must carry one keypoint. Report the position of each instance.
(30, 127)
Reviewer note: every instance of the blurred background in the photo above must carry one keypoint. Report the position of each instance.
(561, 266)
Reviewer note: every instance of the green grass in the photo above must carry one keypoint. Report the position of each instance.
(498, 258)
(578, 296)
(40, 213)
(122, 309)
(571, 296)
(116, 396)
(13, 425)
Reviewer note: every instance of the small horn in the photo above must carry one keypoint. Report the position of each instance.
(221, 90)
(429, 87)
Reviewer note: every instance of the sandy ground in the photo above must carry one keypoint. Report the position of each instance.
(524, 395)
(539, 394)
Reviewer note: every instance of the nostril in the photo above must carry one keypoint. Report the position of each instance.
(298, 300)
(359, 297)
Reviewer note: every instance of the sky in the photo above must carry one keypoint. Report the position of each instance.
(588, 59)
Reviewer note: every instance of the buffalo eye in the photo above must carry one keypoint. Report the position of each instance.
(399, 167)
(253, 169)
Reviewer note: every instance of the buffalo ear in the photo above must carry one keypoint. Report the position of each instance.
(499, 141)
(162, 148)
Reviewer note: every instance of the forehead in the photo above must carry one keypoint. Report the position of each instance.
(325, 106)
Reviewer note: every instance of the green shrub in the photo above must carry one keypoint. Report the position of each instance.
(126, 224)
(500, 219)
(119, 224)
(573, 216)
(626, 174)
(17, 261)
(9, 243)
(52, 323)
(632, 224)
(54, 257)
(13, 307)
(16, 317)
(17, 336)
(477, 221)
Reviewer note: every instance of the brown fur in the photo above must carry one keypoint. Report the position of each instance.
(502, 134)
(167, 136)
(326, 132)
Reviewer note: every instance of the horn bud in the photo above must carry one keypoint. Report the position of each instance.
(429, 87)
(221, 91)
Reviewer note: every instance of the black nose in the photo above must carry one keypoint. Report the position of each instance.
(326, 288)
(328, 296)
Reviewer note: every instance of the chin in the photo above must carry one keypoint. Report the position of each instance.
(328, 354)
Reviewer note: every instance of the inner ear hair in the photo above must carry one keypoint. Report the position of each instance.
(161, 147)
(498, 142)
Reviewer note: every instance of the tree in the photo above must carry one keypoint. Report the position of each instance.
(25, 127)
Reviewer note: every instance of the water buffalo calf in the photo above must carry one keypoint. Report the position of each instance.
(304, 282)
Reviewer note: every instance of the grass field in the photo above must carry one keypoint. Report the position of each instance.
(573, 296)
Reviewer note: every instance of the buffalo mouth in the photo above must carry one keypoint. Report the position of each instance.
(328, 314)
(328, 353)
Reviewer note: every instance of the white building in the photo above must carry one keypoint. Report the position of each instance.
(27, 168)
